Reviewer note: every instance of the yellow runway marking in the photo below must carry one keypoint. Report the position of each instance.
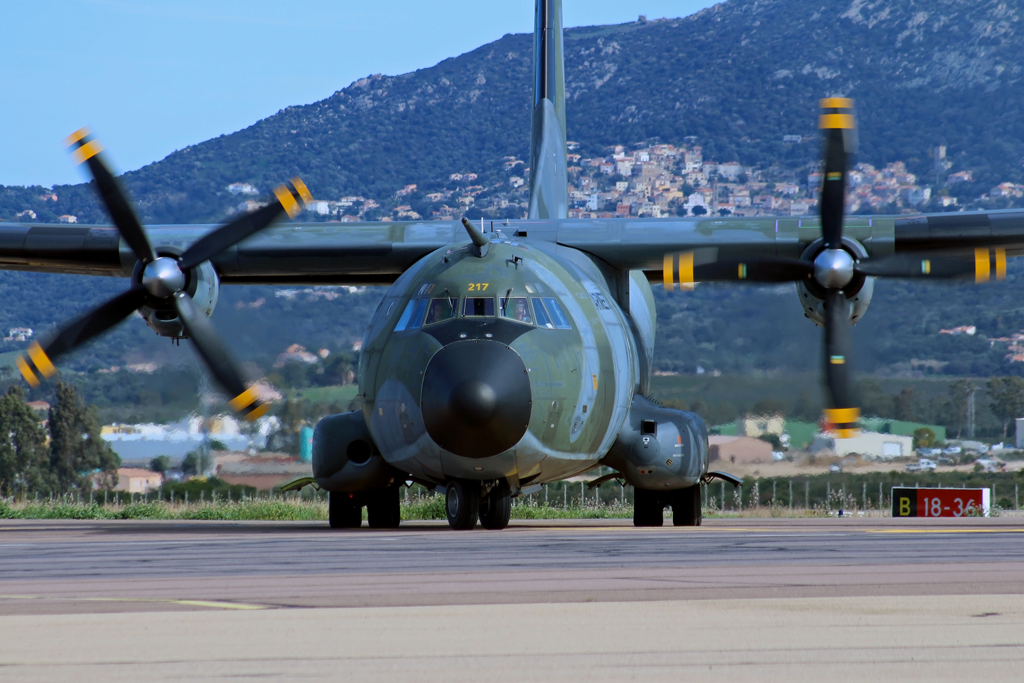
(774, 530)
(944, 531)
(191, 603)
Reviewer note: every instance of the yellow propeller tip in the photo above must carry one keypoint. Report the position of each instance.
(836, 103)
(76, 136)
(301, 188)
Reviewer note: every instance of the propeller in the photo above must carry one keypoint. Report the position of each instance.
(160, 282)
(834, 268)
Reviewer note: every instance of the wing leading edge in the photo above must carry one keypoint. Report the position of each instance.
(377, 253)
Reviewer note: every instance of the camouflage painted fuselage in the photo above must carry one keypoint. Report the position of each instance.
(584, 354)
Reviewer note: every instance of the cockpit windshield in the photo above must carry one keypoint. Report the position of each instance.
(412, 316)
(549, 313)
(476, 306)
(440, 310)
(516, 308)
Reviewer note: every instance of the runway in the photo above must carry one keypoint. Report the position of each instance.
(753, 599)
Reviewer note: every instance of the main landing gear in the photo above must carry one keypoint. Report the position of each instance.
(383, 510)
(468, 500)
(649, 507)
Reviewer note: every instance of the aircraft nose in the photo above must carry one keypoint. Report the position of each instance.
(476, 398)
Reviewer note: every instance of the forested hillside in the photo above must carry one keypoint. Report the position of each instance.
(734, 79)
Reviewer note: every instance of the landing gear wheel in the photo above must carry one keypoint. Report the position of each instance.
(648, 509)
(343, 511)
(383, 510)
(462, 503)
(686, 509)
(496, 506)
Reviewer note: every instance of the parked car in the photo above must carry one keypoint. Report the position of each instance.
(952, 450)
(929, 452)
(922, 465)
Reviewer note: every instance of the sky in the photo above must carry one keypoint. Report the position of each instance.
(150, 77)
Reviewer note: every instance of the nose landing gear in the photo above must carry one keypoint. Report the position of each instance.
(462, 503)
(496, 506)
(465, 502)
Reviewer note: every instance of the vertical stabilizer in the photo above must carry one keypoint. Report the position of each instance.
(549, 196)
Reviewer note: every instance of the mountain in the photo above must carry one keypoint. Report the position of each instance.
(735, 77)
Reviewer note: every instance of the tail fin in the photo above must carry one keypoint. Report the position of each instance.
(549, 196)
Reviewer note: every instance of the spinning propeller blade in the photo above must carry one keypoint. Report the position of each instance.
(161, 282)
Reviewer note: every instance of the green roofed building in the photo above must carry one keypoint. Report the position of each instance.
(900, 427)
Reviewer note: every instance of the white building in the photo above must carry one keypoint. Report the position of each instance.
(242, 188)
(869, 444)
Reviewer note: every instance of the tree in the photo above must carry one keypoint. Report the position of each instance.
(769, 406)
(1007, 399)
(196, 463)
(24, 460)
(76, 450)
(923, 437)
(160, 463)
(959, 396)
(699, 210)
(905, 404)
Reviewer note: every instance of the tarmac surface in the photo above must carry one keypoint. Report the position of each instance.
(752, 599)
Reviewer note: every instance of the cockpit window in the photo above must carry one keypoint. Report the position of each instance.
(555, 309)
(478, 306)
(412, 316)
(440, 310)
(406, 315)
(549, 313)
(516, 308)
(417, 315)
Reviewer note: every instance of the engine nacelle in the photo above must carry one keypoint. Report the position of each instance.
(204, 288)
(858, 292)
(345, 458)
(660, 448)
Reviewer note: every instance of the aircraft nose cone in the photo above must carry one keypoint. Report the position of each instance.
(476, 398)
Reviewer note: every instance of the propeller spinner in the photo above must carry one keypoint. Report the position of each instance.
(160, 282)
(834, 268)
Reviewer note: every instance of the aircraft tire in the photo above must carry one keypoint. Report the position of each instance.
(343, 511)
(648, 509)
(384, 510)
(462, 504)
(686, 508)
(496, 507)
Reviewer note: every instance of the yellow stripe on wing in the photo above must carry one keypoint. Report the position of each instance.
(981, 265)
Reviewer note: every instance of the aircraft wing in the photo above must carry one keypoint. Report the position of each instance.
(641, 244)
(377, 253)
(307, 253)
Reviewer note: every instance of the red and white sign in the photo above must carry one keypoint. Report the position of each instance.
(907, 502)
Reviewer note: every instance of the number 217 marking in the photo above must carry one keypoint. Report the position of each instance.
(478, 286)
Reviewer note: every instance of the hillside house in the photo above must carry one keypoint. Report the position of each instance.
(242, 188)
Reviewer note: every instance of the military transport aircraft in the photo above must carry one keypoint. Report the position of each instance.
(502, 356)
